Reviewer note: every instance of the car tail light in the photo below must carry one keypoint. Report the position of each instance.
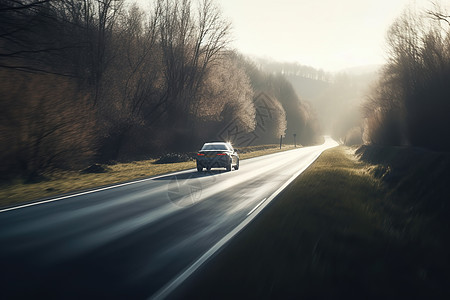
(221, 154)
(200, 154)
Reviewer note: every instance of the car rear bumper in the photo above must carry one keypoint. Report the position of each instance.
(214, 162)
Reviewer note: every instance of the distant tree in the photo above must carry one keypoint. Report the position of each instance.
(300, 117)
(270, 118)
(296, 69)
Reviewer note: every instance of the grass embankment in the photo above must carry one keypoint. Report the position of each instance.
(57, 183)
(337, 232)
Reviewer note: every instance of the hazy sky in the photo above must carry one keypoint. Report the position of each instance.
(327, 34)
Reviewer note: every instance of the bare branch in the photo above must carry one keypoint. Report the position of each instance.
(439, 16)
(34, 70)
(22, 6)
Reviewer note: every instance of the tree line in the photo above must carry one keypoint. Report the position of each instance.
(293, 68)
(410, 104)
(87, 81)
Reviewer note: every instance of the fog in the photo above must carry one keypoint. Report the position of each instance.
(325, 34)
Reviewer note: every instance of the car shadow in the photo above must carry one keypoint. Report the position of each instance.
(192, 174)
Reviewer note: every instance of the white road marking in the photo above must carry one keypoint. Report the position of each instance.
(259, 204)
(92, 191)
(183, 275)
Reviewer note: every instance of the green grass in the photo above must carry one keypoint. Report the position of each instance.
(57, 183)
(334, 233)
(254, 151)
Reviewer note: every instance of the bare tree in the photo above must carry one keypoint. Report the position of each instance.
(132, 81)
(21, 44)
(236, 95)
(410, 103)
(190, 43)
(439, 14)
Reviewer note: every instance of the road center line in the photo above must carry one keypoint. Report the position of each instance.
(256, 207)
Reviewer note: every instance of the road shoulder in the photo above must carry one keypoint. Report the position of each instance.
(336, 232)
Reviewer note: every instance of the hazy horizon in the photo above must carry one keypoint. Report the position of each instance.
(326, 34)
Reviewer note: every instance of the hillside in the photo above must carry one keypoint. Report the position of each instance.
(335, 98)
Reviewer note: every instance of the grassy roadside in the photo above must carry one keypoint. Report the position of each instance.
(337, 232)
(65, 182)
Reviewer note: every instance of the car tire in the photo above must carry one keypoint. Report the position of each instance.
(229, 167)
(236, 167)
(199, 168)
(208, 169)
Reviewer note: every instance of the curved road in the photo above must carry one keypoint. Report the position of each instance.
(140, 239)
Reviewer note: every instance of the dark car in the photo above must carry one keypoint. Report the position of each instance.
(217, 155)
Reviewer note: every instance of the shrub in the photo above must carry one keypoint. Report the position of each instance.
(169, 158)
(46, 123)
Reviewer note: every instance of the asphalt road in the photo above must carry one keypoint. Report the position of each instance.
(135, 240)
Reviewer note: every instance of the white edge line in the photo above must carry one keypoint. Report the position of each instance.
(254, 208)
(181, 277)
(92, 191)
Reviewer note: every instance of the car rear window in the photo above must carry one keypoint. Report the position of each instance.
(215, 147)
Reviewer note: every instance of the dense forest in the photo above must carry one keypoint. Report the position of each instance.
(86, 81)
